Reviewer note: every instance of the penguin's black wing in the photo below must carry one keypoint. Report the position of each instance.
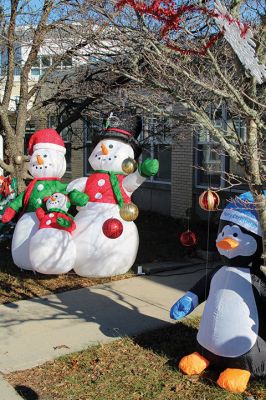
(259, 286)
(202, 287)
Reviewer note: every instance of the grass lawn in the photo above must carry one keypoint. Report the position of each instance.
(144, 367)
(16, 284)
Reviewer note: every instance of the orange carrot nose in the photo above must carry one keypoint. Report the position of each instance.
(40, 160)
(53, 198)
(227, 244)
(104, 149)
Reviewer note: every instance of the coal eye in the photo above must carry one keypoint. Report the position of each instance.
(235, 234)
(45, 155)
(110, 146)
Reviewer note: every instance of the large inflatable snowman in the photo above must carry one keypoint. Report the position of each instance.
(52, 250)
(47, 165)
(99, 253)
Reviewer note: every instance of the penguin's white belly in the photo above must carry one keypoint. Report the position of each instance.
(52, 251)
(25, 228)
(97, 255)
(229, 325)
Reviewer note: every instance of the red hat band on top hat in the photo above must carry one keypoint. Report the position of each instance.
(46, 139)
(119, 131)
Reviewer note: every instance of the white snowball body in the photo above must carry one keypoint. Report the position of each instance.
(97, 255)
(25, 228)
(52, 251)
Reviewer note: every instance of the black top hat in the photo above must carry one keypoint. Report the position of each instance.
(124, 126)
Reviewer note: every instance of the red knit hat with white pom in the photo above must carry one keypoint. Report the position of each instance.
(46, 139)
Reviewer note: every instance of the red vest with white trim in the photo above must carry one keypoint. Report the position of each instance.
(49, 220)
(99, 188)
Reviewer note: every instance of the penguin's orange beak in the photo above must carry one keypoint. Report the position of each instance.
(227, 244)
(40, 160)
(104, 149)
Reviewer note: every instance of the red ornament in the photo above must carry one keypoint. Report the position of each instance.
(188, 238)
(112, 228)
(209, 200)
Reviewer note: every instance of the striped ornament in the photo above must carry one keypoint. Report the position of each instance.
(209, 200)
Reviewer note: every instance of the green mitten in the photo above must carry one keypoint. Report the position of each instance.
(78, 198)
(149, 168)
(63, 222)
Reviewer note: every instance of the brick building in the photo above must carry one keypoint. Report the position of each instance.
(189, 164)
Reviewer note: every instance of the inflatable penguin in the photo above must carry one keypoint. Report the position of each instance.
(52, 250)
(110, 188)
(47, 165)
(232, 333)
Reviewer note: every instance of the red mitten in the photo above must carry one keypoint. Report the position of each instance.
(8, 215)
(40, 213)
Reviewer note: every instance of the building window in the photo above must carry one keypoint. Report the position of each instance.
(36, 67)
(66, 62)
(30, 129)
(66, 135)
(91, 127)
(156, 141)
(44, 61)
(4, 60)
(212, 164)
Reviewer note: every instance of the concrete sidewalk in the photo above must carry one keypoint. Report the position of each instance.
(38, 330)
(41, 329)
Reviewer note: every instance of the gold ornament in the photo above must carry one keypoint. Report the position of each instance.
(18, 159)
(129, 212)
(129, 165)
(209, 200)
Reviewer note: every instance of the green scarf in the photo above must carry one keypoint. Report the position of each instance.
(115, 184)
(59, 210)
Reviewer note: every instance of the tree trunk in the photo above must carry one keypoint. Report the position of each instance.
(255, 182)
(260, 200)
(19, 173)
(15, 155)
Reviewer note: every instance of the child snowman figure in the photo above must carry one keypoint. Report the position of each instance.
(106, 237)
(47, 165)
(52, 250)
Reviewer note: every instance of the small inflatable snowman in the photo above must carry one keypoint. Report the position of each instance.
(106, 243)
(47, 165)
(52, 250)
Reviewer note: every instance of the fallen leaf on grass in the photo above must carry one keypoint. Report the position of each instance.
(61, 346)
(74, 363)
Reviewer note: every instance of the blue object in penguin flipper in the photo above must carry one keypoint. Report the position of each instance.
(181, 308)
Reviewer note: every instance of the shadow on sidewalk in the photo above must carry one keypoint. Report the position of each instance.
(113, 312)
